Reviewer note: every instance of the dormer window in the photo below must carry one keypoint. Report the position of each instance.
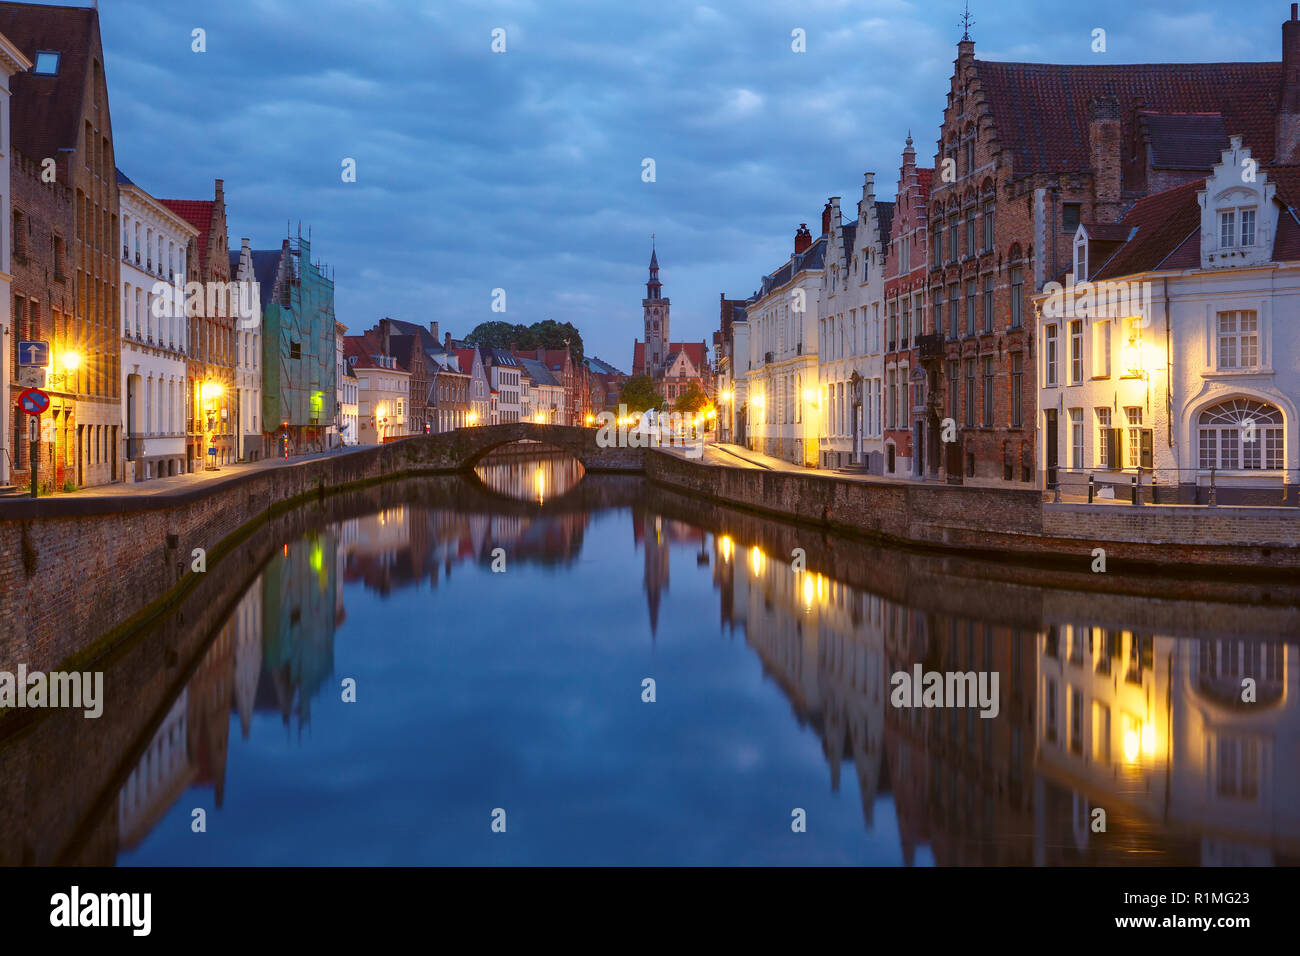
(1080, 256)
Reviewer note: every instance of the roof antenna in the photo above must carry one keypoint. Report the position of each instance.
(966, 22)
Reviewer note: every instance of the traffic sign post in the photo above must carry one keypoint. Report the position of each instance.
(34, 402)
(33, 353)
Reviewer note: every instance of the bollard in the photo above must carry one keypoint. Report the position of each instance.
(1154, 494)
(1091, 487)
(1214, 498)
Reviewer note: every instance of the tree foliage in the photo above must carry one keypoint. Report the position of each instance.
(694, 399)
(639, 394)
(547, 334)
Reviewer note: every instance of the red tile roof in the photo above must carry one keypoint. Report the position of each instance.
(1040, 110)
(199, 213)
(695, 351)
(1163, 223)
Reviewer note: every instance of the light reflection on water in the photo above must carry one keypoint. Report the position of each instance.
(522, 689)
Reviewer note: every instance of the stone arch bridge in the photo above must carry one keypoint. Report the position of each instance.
(461, 449)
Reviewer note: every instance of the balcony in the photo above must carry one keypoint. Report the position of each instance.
(930, 346)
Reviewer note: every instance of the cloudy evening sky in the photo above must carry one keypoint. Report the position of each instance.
(522, 170)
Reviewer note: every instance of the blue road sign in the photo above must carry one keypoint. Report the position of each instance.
(34, 353)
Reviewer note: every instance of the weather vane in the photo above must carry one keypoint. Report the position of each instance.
(966, 22)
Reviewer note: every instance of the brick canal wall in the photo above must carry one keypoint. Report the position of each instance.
(1005, 522)
(70, 564)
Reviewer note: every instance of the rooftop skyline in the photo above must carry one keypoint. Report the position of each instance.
(522, 170)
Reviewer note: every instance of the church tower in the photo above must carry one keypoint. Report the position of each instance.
(656, 318)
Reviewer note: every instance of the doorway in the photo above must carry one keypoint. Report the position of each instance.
(1051, 435)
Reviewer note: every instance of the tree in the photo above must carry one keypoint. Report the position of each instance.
(694, 400)
(547, 334)
(639, 394)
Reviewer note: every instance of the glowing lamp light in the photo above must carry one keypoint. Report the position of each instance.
(591, 419)
(1132, 745)
(809, 396)
(210, 390)
(71, 361)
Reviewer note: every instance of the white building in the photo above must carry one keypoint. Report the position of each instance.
(248, 355)
(11, 61)
(348, 408)
(783, 414)
(502, 370)
(155, 333)
(383, 394)
(1180, 359)
(850, 368)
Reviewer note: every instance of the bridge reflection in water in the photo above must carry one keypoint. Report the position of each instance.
(529, 471)
(522, 689)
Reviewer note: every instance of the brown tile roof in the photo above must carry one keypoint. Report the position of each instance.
(1194, 141)
(1161, 224)
(1040, 110)
(46, 110)
(1168, 228)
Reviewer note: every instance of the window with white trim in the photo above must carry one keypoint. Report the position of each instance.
(1241, 434)
(1050, 353)
(1238, 333)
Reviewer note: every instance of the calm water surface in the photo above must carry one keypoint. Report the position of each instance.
(521, 689)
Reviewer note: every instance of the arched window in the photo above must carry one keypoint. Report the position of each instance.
(1241, 434)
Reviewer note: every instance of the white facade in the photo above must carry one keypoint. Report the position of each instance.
(155, 334)
(11, 61)
(850, 335)
(248, 359)
(1198, 370)
(348, 409)
(783, 407)
(383, 401)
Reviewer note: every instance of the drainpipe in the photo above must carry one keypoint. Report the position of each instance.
(1055, 203)
(1169, 370)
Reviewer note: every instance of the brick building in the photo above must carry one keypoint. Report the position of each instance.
(911, 435)
(11, 61)
(1028, 151)
(210, 413)
(64, 239)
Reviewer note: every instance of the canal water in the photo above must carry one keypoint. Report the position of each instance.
(533, 666)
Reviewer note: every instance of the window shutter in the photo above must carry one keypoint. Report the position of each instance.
(1114, 448)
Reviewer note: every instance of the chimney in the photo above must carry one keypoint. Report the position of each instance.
(826, 218)
(833, 213)
(385, 335)
(447, 341)
(1104, 156)
(802, 238)
(1287, 147)
(221, 190)
(433, 330)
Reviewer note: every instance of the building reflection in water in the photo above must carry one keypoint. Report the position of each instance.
(1150, 728)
